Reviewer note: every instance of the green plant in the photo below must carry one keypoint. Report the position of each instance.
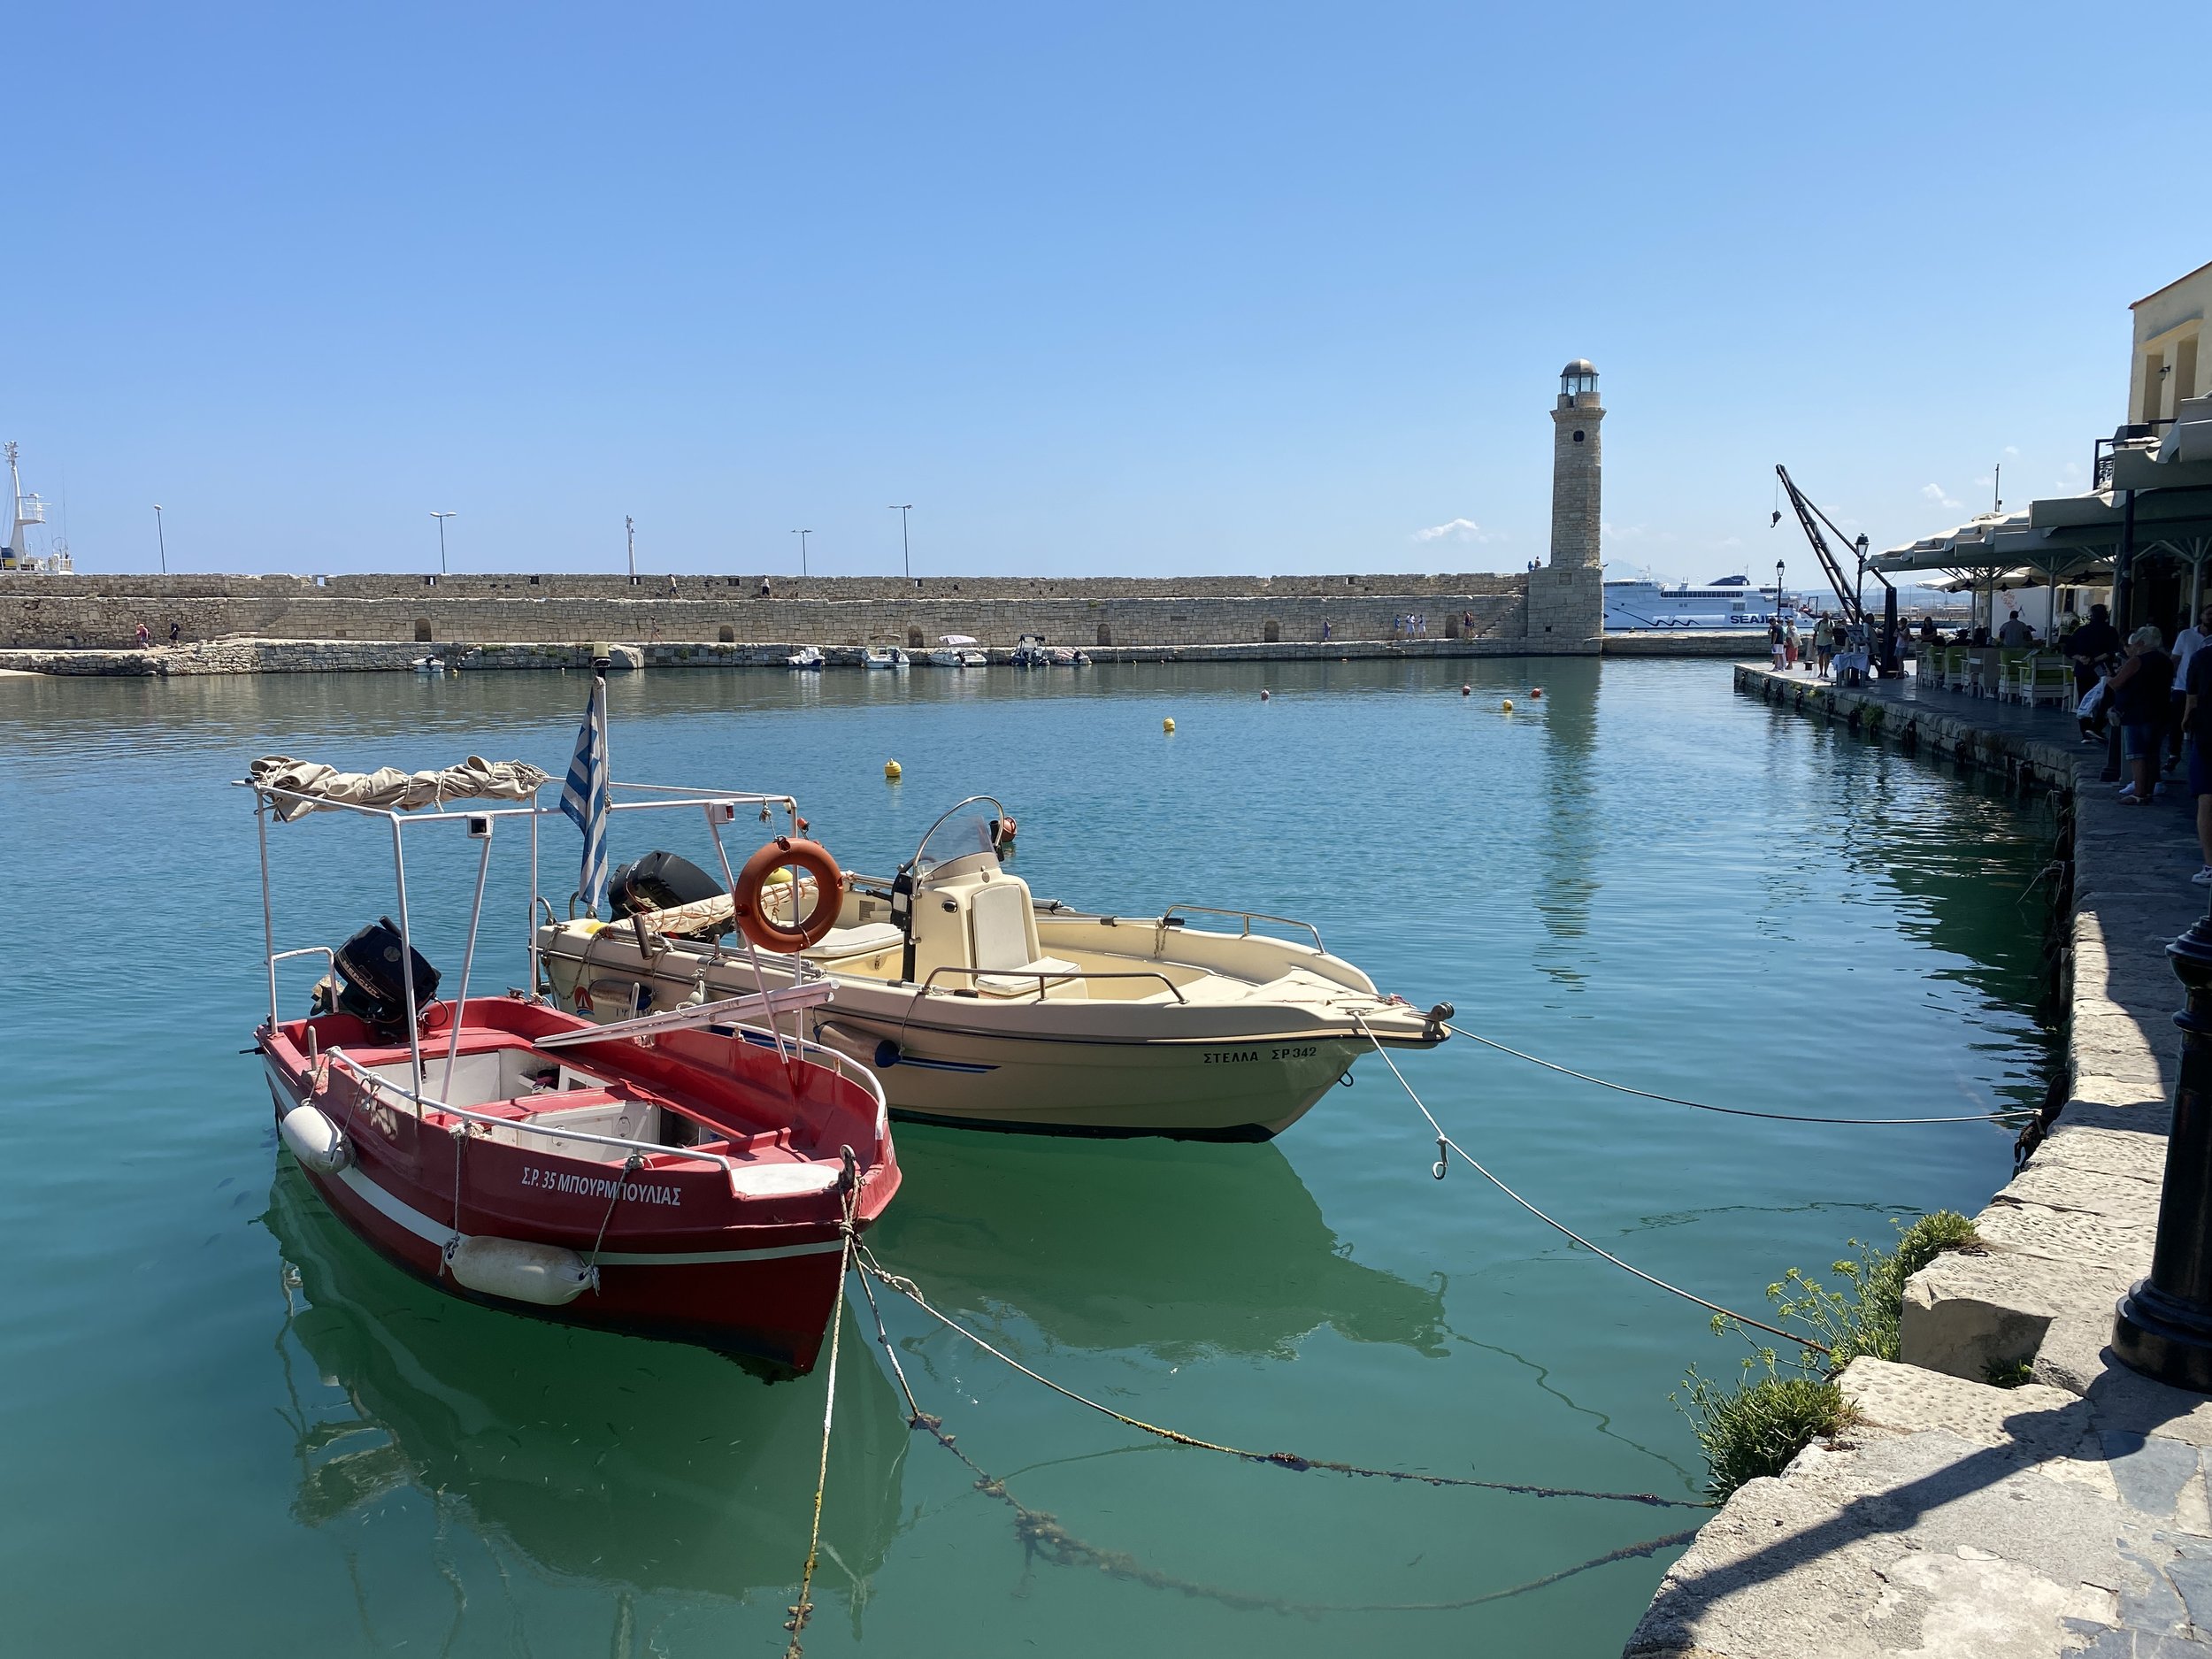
(1772, 1415)
(1757, 1427)
(2016, 1375)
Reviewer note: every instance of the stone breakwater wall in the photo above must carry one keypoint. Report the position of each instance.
(105, 612)
(238, 655)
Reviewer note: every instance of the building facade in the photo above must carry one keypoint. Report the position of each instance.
(2168, 363)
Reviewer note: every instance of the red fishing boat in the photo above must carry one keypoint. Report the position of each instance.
(679, 1174)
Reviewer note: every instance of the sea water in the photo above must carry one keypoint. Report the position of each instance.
(232, 1429)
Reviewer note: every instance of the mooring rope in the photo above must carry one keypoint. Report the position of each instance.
(1731, 1111)
(1042, 1534)
(803, 1608)
(1444, 1143)
(869, 1266)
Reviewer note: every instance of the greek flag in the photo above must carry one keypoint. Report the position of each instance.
(584, 796)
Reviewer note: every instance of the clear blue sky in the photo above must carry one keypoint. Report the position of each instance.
(1140, 288)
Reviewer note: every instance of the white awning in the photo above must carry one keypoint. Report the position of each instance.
(388, 788)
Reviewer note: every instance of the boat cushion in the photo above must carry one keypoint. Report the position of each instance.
(868, 940)
(1025, 982)
(781, 1180)
(998, 917)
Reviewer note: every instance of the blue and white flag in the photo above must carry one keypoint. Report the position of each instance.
(584, 796)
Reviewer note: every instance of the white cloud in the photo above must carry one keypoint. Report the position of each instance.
(2012, 451)
(1732, 541)
(1458, 530)
(1936, 494)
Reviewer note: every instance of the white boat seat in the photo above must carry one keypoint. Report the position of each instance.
(868, 940)
(1009, 982)
(781, 1180)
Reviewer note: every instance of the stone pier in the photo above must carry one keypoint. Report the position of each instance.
(2068, 1515)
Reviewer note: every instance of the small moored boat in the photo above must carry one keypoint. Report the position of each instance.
(809, 656)
(690, 1175)
(975, 1004)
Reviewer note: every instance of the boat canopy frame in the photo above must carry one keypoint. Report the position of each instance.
(718, 806)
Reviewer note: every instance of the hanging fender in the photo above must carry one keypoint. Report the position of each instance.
(811, 858)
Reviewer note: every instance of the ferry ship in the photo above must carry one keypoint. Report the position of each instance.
(1639, 605)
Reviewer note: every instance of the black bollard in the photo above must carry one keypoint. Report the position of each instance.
(2163, 1325)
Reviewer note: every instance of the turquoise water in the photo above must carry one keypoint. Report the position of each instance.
(232, 1429)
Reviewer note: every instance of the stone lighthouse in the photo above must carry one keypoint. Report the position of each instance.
(1574, 468)
(1566, 597)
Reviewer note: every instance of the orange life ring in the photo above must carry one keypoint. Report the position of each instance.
(810, 859)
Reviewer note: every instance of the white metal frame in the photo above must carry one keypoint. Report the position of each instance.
(719, 807)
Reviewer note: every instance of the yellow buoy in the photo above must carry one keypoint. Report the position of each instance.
(1509, 705)
(1168, 724)
(891, 770)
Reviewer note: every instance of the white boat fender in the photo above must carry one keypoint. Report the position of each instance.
(515, 1271)
(315, 1141)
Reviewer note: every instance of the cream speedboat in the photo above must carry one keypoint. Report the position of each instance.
(977, 1005)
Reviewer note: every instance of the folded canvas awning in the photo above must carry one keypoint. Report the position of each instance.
(388, 788)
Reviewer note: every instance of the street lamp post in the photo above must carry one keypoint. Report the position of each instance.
(162, 537)
(803, 536)
(906, 554)
(1777, 590)
(629, 531)
(441, 518)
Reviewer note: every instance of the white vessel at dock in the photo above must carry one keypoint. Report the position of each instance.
(1640, 605)
(977, 1005)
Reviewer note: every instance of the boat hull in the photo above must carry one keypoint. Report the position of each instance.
(1234, 1072)
(668, 1259)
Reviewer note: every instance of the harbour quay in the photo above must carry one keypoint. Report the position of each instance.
(1954, 1515)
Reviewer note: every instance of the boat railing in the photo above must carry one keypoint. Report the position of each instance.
(1060, 976)
(1170, 917)
(330, 968)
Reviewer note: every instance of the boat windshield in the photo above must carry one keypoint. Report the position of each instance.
(963, 832)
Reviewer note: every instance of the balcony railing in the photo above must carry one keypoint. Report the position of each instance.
(2101, 461)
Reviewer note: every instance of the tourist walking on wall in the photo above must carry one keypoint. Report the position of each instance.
(2137, 695)
(2192, 639)
(145, 639)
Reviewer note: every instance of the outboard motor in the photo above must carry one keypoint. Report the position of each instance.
(903, 918)
(660, 881)
(370, 986)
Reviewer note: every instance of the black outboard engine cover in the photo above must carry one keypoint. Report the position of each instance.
(660, 881)
(370, 986)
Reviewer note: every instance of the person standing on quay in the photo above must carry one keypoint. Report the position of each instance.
(1824, 644)
(2197, 716)
(1774, 638)
(2138, 692)
(2192, 639)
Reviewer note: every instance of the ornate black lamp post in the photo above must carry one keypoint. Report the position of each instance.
(2163, 1325)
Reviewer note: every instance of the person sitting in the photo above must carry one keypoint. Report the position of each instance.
(2015, 634)
(1928, 634)
(2089, 645)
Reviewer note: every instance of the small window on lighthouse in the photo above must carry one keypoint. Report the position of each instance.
(1578, 436)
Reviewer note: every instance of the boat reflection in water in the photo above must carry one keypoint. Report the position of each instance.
(642, 1466)
(1178, 1247)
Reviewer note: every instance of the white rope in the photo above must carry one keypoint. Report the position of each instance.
(1445, 1143)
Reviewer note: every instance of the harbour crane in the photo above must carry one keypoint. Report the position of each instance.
(1850, 598)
